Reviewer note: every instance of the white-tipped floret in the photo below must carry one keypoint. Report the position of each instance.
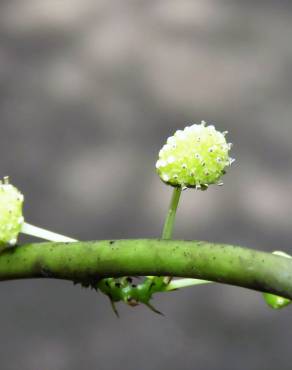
(11, 218)
(194, 157)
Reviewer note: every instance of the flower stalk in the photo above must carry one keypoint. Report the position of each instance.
(41, 233)
(170, 218)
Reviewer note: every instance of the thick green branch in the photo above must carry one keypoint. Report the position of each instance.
(87, 261)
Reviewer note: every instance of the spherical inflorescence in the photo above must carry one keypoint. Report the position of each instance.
(194, 157)
(11, 219)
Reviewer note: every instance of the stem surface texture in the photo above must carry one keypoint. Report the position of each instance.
(92, 260)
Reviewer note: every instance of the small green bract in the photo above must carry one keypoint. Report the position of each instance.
(194, 157)
(11, 219)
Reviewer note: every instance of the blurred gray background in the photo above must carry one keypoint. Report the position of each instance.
(90, 90)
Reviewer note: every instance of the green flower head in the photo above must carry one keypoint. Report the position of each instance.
(11, 219)
(194, 157)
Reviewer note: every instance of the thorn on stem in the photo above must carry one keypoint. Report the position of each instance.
(114, 308)
(153, 309)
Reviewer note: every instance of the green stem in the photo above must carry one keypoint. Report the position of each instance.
(170, 218)
(88, 261)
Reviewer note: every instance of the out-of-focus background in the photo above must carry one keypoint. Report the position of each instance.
(90, 90)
